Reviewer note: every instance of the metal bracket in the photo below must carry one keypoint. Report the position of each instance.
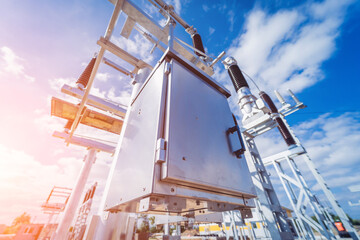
(128, 27)
(167, 68)
(144, 205)
(246, 213)
(160, 151)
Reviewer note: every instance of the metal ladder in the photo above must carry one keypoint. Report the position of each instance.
(268, 205)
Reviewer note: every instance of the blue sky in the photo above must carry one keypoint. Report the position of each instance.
(308, 46)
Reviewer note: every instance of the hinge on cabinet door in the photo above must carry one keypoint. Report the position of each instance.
(160, 151)
(167, 68)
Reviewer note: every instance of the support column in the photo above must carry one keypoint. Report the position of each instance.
(70, 210)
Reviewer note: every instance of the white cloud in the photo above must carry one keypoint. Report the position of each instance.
(176, 4)
(205, 8)
(332, 143)
(103, 77)
(49, 124)
(25, 182)
(138, 46)
(11, 65)
(57, 83)
(286, 49)
(123, 97)
(211, 30)
(231, 19)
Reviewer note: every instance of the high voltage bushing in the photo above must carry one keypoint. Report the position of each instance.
(197, 43)
(85, 76)
(285, 133)
(237, 77)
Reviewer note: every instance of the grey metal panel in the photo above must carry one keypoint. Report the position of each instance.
(135, 161)
(198, 152)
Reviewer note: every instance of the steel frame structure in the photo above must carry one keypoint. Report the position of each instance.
(268, 205)
(303, 223)
(303, 198)
(52, 208)
(302, 201)
(306, 198)
(83, 212)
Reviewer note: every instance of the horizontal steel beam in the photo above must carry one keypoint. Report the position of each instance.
(121, 53)
(95, 101)
(88, 143)
(282, 155)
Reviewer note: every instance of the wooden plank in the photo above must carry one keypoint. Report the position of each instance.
(91, 118)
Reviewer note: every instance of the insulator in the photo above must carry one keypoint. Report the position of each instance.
(86, 197)
(285, 133)
(237, 77)
(197, 43)
(84, 77)
(269, 102)
(68, 126)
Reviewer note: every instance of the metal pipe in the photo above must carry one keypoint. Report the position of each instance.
(117, 67)
(171, 37)
(70, 210)
(217, 59)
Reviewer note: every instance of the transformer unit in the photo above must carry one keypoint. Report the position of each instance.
(182, 149)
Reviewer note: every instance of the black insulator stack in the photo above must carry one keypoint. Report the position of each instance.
(285, 133)
(237, 77)
(197, 44)
(84, 77)
(269, 102)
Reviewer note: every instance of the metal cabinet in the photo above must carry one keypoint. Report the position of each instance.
(176, 154)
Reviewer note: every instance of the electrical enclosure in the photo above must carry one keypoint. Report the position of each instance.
(177, 153)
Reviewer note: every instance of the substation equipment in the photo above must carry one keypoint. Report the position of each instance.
(54, 204)
(178, 122)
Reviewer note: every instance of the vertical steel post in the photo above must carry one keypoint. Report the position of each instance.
(70, 210)
(171, 37)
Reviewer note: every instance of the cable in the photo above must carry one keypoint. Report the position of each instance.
(251, 80)
(344, 111)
